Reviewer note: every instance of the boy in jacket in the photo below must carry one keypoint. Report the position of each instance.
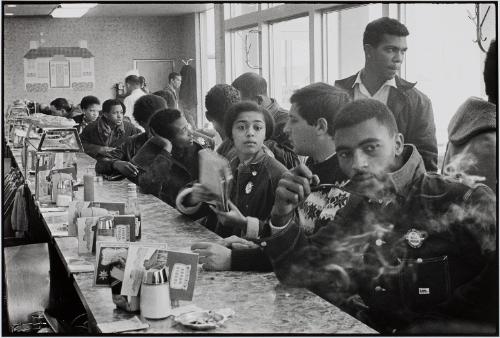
(419, 248)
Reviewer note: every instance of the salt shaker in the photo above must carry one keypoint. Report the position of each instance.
(155, 294)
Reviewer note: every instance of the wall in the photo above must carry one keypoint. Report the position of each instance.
(114, 42)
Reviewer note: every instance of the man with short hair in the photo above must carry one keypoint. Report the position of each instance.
(133, 86)
(90, 107)
(419, 248)
(253, 87)
(174, 83)
(60, 107)
(108, 131)
(384, 43)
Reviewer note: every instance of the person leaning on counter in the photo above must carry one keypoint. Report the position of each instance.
(419, 248)
(109, 131)
(117, 161)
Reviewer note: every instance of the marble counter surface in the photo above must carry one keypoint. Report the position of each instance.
(260, 302)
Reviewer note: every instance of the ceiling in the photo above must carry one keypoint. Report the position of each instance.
(114, 9)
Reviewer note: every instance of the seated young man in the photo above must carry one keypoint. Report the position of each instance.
(117, 161)
(90, 107)
(172, 156)
(60, 107)
(217, 101)
(310, 129)
(109, 131)
(420, 249)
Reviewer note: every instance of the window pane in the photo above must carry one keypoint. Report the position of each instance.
(344, 31)
(243, 8)
(210, 32)
(449, 69)
(245, 51)
(290, 58)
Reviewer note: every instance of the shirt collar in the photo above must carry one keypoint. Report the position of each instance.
(390, 82)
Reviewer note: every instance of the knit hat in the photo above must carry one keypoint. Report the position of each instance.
(146, 106)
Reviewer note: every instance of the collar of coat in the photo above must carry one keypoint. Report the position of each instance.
(347, 83)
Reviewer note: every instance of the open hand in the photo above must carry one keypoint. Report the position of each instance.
(233, 217)
(213, 256)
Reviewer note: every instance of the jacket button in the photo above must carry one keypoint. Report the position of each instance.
(378, 288)
(263, 244)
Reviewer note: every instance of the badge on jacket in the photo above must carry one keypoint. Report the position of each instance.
(415, 238)
(248, 188)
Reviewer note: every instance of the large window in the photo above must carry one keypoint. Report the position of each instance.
(245, 49)
(443, 59)
(290, 58)
(344, 39)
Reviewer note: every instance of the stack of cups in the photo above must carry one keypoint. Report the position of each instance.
(155, 294)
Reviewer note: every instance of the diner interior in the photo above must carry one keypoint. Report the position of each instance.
(101, 229)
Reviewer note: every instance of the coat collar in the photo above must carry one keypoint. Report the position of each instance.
(348, 83)
(413, 167)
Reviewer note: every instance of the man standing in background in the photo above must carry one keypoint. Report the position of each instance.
(384, 43)
(133, 85)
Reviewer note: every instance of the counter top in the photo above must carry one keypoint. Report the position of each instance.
(260, 302)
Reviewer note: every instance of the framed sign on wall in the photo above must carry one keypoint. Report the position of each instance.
(59, 74)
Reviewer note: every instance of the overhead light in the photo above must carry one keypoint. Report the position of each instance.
(73, 10)
(9, 14)
(11, 6)
(78, 5)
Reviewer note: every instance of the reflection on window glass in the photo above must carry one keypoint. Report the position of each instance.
(243, 8)
(344, 37)
(449, 69)
(290, 58)
(245, 52)
(210, 48)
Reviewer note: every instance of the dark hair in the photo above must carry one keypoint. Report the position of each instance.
(375, 30)
(172, 76)
(491, 73)
(87, 101)
(161, 122)
(146, 106)
(246, 106)
(218, 100)
(61, 103)
(250, 85)
(359, 111)
(106, 105)
(133, 79)
(169, 98)
(319, 100)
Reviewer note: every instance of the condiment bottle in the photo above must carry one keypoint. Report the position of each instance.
(132, 208)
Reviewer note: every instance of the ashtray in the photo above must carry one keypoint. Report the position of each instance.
(204, 320)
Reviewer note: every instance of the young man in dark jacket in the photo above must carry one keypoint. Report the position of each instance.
(384, 44)
(253, 87)
(419, 248)
(109, 131)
